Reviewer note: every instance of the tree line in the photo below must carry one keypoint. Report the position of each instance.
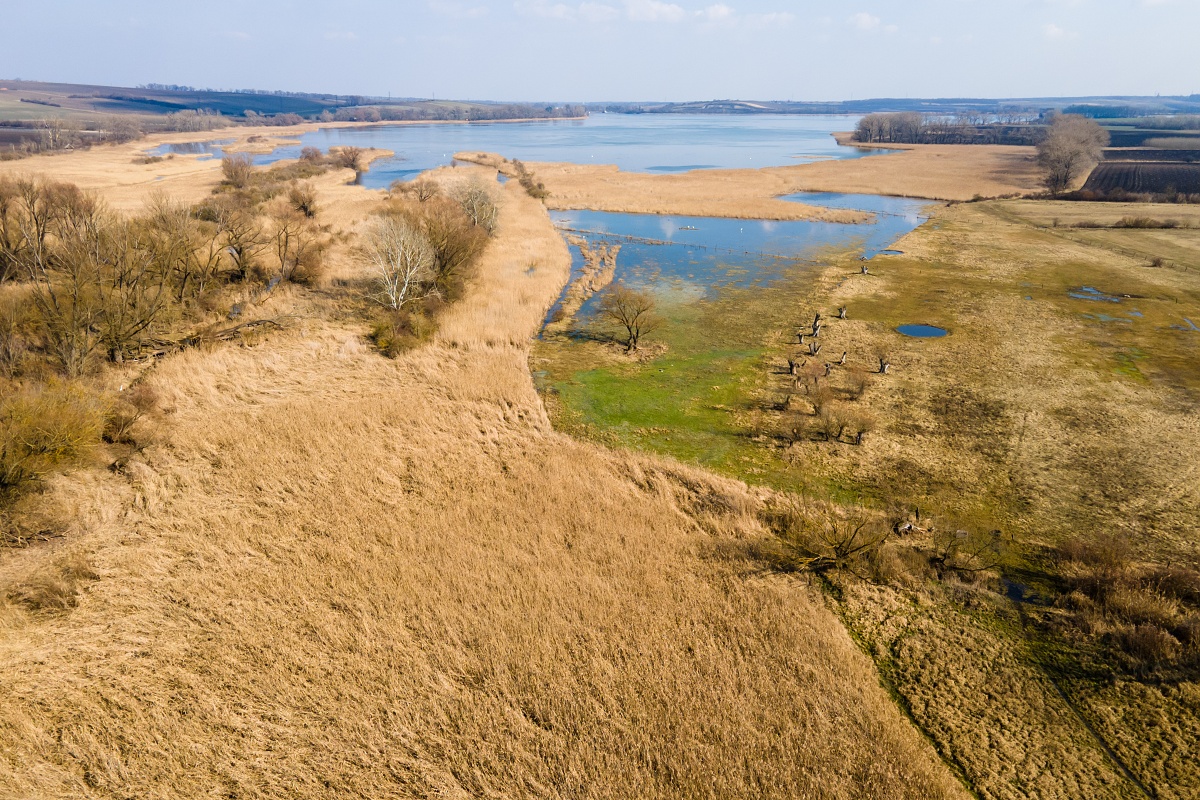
(911, 127)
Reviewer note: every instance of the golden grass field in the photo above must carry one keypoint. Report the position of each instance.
(329, 573)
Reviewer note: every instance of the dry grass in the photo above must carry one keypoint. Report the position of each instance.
(340, 574)
(941, 172)
(126, 186)
(741, 194)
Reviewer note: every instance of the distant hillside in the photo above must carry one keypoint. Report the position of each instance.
(1105, 107)
(29, 100)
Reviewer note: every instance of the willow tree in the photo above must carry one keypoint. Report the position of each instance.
(632, 310)
(1073, 145)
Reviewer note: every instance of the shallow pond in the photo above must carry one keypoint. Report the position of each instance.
(693, 257)
(922, 331)
(206, 150)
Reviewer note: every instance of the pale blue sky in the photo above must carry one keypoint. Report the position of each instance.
(615, 49)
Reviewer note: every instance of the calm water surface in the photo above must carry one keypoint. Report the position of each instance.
(693, 257)
(634, 142)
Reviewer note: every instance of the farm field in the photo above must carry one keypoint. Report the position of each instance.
(1151, 177)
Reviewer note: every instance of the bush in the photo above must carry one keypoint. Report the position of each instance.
(821, 537)
(455, 240)
(397, 331)
(303, 197)
(238, 169)
(1150, 644)
(42, 430)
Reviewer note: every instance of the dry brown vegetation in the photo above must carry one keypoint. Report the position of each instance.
(940, 172)
(333, 573)
(741, 194)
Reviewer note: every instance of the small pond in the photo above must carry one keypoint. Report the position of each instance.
(205, 150)
(922, 331)
(1092, 293)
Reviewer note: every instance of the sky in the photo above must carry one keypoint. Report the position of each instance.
(612, 50)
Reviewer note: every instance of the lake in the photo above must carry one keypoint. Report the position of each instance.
(635, 142)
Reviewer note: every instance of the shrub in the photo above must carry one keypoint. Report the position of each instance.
(44, 429)
(238, 169)
(821, 537)
(303, 198)
(1150, 644)
(455, 240)
(858, 379)
(396, 331)
(829, 422)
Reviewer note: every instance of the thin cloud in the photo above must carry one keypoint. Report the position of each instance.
(864, 21)
(457, 10)
(1055, 33)
(597, 12)
(653, 11)
(717, 13)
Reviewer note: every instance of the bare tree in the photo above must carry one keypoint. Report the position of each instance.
(242, 233)
(348, 157)
(967, 550)
(822, 537)
(1072, 145)
(97, 282)
(633, 310)
(403, 260)
(423, 190)
(477, 202)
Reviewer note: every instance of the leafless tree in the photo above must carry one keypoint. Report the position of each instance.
(348, 157)
(1072, 145)
(477, 202)
(821, 538)
(403, 261)
(633, 310)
